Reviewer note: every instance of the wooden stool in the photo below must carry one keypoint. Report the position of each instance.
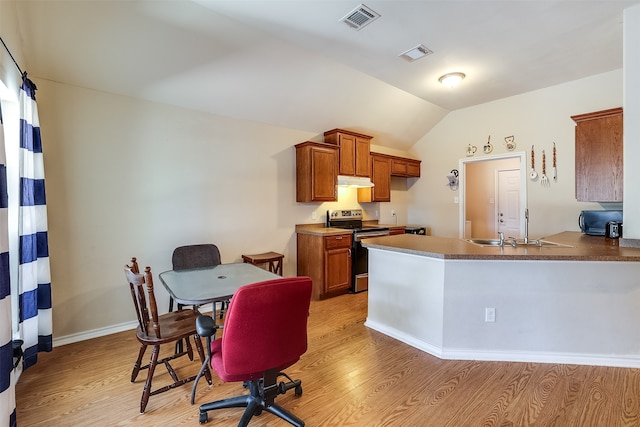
(274, 259)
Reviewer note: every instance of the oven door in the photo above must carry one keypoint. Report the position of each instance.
(360, 266)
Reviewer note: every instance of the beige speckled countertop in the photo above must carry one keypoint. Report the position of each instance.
(321, 230)
(584, 248)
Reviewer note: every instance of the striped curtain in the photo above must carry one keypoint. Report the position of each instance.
(34, 280)
(7, 389)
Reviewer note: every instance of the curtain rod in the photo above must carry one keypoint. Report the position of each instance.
(12, 58)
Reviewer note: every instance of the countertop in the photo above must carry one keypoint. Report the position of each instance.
(583, 248)
(321, 230)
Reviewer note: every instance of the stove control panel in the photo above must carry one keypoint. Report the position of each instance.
(339, 214)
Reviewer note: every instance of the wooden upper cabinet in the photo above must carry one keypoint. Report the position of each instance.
(401, 166)
(354, 151)
(599, 159)
(413, 168)
(316, 172)
(398, 166)
(381, 178)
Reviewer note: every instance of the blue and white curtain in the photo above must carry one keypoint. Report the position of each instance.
(7, 388)
(34, 279)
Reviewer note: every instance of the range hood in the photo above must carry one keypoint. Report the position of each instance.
(354, 181)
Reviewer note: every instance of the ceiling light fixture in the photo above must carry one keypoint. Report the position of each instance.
(451, 79)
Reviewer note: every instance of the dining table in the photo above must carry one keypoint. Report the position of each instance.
(197, 286)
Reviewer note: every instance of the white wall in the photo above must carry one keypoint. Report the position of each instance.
(133, 178)
(631, 123)
(539, 118)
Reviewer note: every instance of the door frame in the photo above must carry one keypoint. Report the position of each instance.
(462, 165)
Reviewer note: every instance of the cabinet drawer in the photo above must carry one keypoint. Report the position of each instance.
(338, 241)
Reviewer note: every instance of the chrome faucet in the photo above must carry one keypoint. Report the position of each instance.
(501, 236)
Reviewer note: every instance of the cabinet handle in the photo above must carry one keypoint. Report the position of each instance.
(349, 253)
(338, 237)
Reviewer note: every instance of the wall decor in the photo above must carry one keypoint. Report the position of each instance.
(488, 147)
(471, 150)
(533, 175)
(555, 169)
(544, 180)
(510, 142)
(453, 179)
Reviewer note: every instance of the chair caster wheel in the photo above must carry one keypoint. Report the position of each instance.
(204, 417)
(298, 391)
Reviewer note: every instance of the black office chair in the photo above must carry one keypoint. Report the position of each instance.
(196, 256)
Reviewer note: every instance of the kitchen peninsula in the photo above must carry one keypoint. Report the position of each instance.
(577, 304)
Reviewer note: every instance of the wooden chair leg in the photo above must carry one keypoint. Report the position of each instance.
(189, 348)
(146, 392)
(138, 364)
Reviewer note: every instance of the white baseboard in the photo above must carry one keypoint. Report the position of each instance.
(94, 333)
(508, 356)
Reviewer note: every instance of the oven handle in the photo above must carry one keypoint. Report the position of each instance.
(369, 235)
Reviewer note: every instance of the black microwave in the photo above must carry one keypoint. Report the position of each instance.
(595, 222)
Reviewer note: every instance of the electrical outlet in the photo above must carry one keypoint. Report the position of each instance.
(456, 200)
(314, 215)
(489, 314)
(393, 212)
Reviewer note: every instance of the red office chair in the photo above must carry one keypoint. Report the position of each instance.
(264, 332)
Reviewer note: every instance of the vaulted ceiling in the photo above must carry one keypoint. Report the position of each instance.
(293, 63)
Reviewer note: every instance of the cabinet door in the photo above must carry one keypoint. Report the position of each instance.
(347, 154)
(363, 156)
(413, 168)
(337, 270)
(599, 160)
(398, 167)
(323, 174)
(381, 178)
(316, 172)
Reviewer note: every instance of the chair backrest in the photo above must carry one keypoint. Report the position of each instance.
(144, 300)
(266, 325)
(195, 256)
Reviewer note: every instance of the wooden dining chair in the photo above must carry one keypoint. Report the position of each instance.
(154, 330)
(196, 256)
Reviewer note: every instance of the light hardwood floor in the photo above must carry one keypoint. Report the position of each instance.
(352, 376)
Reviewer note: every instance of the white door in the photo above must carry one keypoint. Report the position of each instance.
(508, 215)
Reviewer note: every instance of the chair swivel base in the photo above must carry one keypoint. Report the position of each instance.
(259, 399)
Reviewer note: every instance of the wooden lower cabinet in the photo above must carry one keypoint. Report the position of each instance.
(396, 230)
(327, 260)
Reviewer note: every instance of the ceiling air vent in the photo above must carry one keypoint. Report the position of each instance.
(417, 52)
(360, 17)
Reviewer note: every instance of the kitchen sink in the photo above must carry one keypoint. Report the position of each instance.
(484, 242)
(519, 242)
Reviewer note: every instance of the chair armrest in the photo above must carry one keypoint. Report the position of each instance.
(206, 326)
